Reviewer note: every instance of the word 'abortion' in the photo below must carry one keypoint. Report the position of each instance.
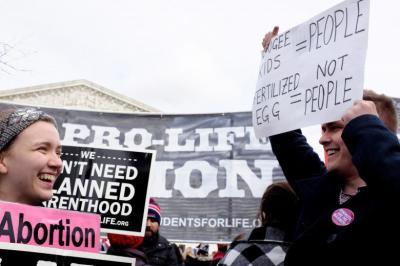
(23, 231)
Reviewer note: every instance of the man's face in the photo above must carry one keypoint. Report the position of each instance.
(152, 227)
(338, 156)
(30, 166)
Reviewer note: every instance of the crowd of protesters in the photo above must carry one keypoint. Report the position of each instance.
(342, 212)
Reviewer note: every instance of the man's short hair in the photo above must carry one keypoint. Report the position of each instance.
(385, 107)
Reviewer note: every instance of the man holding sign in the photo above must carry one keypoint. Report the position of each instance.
(349, 208)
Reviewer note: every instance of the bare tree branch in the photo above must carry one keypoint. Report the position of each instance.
(8, 56)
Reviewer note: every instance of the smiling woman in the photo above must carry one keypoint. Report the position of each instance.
(29, 156)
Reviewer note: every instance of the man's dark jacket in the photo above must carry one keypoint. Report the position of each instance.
(159, 252)
(139, 256)
(370, 238)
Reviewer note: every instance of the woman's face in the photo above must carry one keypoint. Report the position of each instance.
(30, 166)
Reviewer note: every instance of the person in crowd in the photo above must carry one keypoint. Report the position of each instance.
(178, 253)
(201, 258)
(30, 152)
(124, 245)
(158, 249)
(104, 244)
(240, 236)
(348, 212)
(221, 250)
(188, 252)
(267, 245)
(182, 248)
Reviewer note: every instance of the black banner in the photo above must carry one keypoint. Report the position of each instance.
(210, 169)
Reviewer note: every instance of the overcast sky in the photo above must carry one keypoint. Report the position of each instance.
(179, 56)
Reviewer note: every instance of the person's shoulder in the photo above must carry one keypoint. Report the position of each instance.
(260, 252)
(164, 243)
(162, 239)
(127, 252)
(257, 233)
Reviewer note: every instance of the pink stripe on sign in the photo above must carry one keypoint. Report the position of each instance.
(46, 227)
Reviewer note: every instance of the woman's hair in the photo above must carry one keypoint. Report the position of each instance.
(13, 121)
(278, 206)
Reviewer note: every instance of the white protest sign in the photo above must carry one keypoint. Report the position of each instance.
(312, 73)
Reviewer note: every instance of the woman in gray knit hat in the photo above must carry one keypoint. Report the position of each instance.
(30, 152)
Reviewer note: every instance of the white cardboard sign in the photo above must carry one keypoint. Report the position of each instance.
(313, 72)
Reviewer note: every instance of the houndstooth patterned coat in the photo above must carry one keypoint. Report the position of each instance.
(268, 252)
